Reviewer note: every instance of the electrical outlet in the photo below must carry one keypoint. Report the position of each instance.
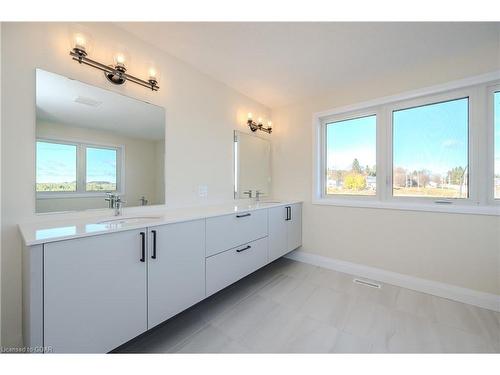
(203, 191)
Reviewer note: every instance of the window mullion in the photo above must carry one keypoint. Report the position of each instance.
(81, 169)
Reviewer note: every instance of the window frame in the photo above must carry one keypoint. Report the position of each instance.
(59, 142)
(337, 118)
(480, 129)
(472, 198)
(492, 89)
(81, 170)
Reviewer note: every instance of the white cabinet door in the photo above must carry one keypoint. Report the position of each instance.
(94, 292)
(294, 224)
(176, 274)
(278, 241)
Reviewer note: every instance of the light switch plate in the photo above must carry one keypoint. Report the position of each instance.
(203, 191)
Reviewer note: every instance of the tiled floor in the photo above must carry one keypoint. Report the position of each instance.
(293, 307)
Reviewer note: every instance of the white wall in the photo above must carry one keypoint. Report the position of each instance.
(462, 250)
(201, 115)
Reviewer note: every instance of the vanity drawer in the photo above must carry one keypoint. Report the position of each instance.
(228, 231)
(228, 267)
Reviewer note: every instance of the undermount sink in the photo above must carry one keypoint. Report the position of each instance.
(129, 220)
(268, 202)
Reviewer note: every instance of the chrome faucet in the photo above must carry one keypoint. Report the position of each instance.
(258, 193)
(118, 205)
(144, 201)
(249, 193)
(111, 199)
(115, 201)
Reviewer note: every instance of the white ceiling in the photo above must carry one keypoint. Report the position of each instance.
(279, 63)
(55, 101)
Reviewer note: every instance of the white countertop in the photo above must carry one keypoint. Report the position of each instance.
(56, 230)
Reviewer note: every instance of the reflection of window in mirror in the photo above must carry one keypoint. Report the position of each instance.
(63, 168)
(101, 169)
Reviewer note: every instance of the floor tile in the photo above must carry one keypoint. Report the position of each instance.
(245, 316)
(413, 302)
(292, 307)
(210, 340)
(412, 335)
(164, 338)
(457, 315)
(348, 343)
(328, 306)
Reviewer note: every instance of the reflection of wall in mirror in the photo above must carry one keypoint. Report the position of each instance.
(143, 168)
(254, 155)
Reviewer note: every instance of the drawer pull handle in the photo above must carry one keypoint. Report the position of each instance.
(245, 248)
(143, 247)
(243, 215)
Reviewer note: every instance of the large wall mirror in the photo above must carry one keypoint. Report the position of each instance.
(90, 142)
(252, 166)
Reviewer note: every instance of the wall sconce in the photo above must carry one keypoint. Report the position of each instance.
(115, 73)
(254, 126)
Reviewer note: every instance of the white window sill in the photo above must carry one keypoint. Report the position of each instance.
(405, 206)
(70, 195)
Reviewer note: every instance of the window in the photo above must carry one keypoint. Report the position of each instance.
(433, 149)
(55, 167)
(100, 169)
(351, 156)
(430, 150)
(69, 169)
(496, 137)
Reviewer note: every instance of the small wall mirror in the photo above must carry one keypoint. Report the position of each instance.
(91, 141)
(252, 166)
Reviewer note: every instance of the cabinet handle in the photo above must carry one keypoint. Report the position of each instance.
(154, 244)
(245, 248)
(244, 215)
(288, 213)
(143, 245)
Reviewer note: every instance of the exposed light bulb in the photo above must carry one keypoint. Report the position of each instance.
(269, 124)
(120, 59)
(80, 41)
(152, 74)
(250, 116)
(260, 120)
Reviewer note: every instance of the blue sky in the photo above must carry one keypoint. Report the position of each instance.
(101, 165)
(57, 163)
(432, 137)
(351, 139)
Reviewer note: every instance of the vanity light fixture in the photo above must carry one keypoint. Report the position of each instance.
(114, 73)
(254, 126)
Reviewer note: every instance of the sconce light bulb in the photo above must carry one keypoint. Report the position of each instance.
(250, 116)
(120, 59)
(80, 42)
(269, 124)
(260, 120)
(152, 74)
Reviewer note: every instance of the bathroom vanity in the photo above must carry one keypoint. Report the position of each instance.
(90, 285)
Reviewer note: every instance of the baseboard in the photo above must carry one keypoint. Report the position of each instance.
(456, 293)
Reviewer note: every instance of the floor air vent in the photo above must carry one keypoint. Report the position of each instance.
(367, 283)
